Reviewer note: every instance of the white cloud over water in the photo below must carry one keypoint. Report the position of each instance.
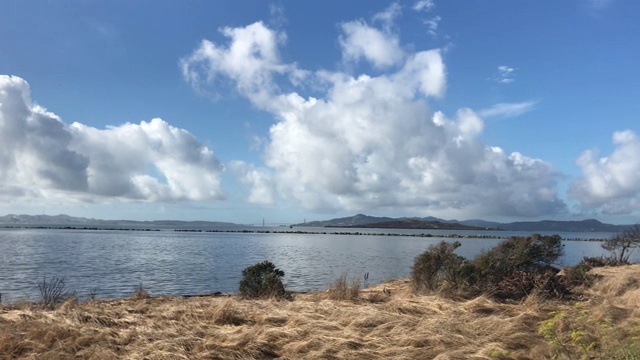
(611, 183)
(43, 157)
(370, 141)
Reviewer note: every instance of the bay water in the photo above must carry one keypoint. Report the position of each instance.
(112, 263)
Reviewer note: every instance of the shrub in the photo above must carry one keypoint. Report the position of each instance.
(533, 253)
(578, 275)
(439, 267)
(262, 280)
(622, 245)
(519, 266)
(53, 291)
(341, 290)
(513, 269)
(597, 261)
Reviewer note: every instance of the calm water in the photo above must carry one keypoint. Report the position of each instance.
(112, 263)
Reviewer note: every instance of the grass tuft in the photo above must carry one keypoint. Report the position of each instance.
(341, 289)
(140, 292)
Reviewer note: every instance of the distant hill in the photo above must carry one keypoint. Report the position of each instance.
(46, 219)
(433, 218)
(66, 220)
(355, 220)
(418, 224)
(483, 223)
(590, 225)
(364, 221)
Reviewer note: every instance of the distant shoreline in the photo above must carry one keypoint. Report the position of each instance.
(299, 232)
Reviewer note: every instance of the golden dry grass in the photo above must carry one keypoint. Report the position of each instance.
(386, 322)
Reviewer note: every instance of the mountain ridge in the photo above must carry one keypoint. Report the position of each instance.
(418, 224)
(587, 225)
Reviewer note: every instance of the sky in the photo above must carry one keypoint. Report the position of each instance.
(290, 111)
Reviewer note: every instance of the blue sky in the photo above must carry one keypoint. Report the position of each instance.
(289, 110)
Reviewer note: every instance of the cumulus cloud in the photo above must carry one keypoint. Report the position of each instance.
(259, 181)
(611, 183)
(373, 141)
(506, 74)
(43, 157)
(361, 41)
(507, 110)
(380, 47)
(251, 61)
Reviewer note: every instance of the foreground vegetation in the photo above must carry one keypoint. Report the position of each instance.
(507, 303)
(383, 322)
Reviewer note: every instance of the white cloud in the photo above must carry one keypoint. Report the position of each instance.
(425, 71)
(611, 183)
(432, 25)
(388, 16)
(259, 181)
(372, 141)
(277, 17)
(250, 60)
(424, 5)
(43, 157)
(507, 110)
(506, 74)
(361, 41)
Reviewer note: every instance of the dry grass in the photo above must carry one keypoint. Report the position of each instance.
(342, 290)
(396, 324)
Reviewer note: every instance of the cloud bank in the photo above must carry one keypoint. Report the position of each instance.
(42, 157)
(370, 141)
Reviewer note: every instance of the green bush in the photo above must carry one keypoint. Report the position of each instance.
(513, 269)
(579, 275)
(519, 266)
(440, 268)
(262, 280)
(528, 254)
